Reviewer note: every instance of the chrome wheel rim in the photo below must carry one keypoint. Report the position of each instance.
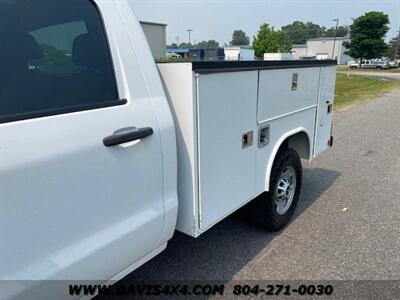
(285, 190)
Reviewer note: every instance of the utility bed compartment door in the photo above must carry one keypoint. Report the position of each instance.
(286, 91)
(325, 109)
(227, 104)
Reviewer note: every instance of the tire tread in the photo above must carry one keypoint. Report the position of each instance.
(263, 210)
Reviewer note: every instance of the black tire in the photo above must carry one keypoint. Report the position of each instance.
(263, 210)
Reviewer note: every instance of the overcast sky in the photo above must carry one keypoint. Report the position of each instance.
(216, 19)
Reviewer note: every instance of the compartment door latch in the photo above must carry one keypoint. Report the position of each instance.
(247, 140)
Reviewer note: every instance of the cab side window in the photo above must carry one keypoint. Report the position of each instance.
(55, 59)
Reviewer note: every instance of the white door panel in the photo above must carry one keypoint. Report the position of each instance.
(224, 122)
(61, 186)
(325, 109)
(68, 204)
(277, 96)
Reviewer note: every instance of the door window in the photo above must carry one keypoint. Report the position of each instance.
(54, 58)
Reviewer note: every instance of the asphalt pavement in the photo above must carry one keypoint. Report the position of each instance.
(347, 225)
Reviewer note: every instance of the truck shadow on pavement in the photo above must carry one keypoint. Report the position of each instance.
(225, 249)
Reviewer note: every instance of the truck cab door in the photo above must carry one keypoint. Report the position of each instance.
(323, 131)
(80, 155)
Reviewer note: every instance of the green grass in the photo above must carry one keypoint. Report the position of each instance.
(353, 89)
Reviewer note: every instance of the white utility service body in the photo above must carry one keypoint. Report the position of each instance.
(103, 155)
(215, 104)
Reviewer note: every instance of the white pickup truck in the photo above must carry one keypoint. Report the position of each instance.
(104, 155)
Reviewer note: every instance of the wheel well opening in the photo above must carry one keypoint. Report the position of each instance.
(300, 143)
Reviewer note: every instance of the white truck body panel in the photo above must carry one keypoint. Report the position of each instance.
(69, 203)
(277, 97)
(180, 88)
(325, 108)
(226, 105)
(213, 110)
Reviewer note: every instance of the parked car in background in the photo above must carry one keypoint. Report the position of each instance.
(353, 64)
(173, 55)
(393, 64)
(375, 64)
(372, 64)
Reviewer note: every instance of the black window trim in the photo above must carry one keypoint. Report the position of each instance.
(74, 108)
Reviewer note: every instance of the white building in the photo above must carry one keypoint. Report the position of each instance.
(239, 53)
(156, 34)
(299, 51)
(324, 48)
(278, 56)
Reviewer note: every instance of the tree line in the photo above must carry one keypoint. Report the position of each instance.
(296, 33)
(367, 37)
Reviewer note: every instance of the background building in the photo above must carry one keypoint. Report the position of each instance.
(299, 51)
(239, 53)
(324, 48)
(156, 34)
(279, 56)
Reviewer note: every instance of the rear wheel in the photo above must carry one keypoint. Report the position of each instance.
(273, 210)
